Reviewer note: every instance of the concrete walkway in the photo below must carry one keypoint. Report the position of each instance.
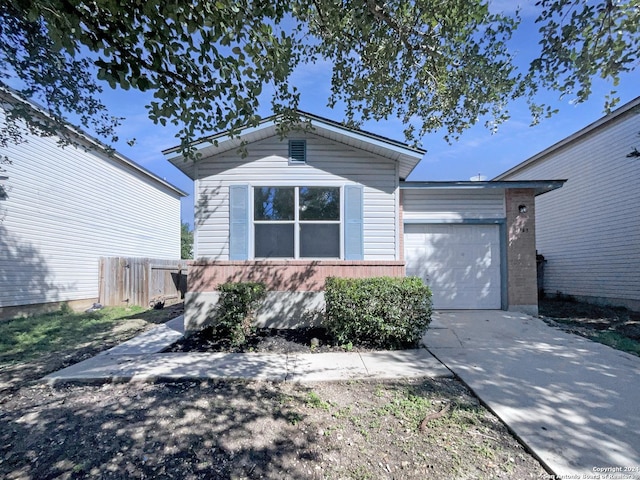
(573, 402)
(141, 359)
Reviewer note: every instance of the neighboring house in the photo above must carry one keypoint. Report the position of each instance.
(589, 231)
(333, 201)
(63, 208)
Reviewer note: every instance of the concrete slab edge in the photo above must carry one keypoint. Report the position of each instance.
(515, 435)
(285, 378)
(293, 371)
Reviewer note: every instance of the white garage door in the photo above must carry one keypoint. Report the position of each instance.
(461, 263)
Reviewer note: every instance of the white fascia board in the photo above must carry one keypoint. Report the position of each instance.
(396, 150)
(539, 186)
(404, 151)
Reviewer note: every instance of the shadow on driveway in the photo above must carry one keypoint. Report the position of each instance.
(572, 401)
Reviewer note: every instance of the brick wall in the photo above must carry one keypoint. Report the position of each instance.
(285, 275)
(521, 249)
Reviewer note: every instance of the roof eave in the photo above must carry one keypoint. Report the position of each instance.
(93, 143)
(539, 186)
(408, 157)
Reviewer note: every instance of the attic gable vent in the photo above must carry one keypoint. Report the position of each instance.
(297, 151)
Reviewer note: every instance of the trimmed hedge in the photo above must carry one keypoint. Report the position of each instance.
(238, 300)
(379, 312)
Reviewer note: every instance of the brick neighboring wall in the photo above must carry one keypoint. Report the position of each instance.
(285, 275)
(521, 248)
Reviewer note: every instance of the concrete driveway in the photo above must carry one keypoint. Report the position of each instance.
(573, 402)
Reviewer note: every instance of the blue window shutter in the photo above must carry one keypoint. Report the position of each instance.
(238, 222)
(353, 236)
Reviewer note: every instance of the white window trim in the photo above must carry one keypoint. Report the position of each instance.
(295, 221)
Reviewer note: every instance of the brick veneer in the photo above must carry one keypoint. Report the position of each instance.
(285, 275)
(521, 250)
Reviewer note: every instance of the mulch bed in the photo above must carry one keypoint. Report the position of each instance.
(585, 318)
(268, 340)
(261, 340)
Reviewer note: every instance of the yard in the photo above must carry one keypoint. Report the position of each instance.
(228, 429)
(32, 347)
(614, 326)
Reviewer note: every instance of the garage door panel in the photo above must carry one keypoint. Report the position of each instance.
(485, 255)
(453, 293)
(461, 263)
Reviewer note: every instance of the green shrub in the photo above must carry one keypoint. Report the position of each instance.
(238, 301)
(65, 309)
(381, 312)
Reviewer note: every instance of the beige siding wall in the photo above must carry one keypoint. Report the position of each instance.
(589, 230)
(65, 209)
(452, 204)
(328, 164)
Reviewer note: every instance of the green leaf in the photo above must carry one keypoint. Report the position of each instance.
(433, 65)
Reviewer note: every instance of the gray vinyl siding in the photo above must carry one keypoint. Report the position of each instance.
(328, 164)
(589, 230)
(434, 204)
(68, 207)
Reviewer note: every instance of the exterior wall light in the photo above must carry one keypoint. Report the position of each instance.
(522, 208)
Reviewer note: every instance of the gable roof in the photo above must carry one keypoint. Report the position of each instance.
(89, 142)
(627, 108)
(407, 157)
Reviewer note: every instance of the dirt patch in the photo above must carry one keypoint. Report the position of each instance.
(590, 321)
(256, 430)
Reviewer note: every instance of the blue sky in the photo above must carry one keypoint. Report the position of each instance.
(476, 152)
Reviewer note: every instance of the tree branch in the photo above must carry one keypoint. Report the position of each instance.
(97, 32)
(403, 32)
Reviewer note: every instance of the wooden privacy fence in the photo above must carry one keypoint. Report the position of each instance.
(140, 281)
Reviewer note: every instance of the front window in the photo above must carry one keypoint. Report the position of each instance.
(274, 221)
(296, 222)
